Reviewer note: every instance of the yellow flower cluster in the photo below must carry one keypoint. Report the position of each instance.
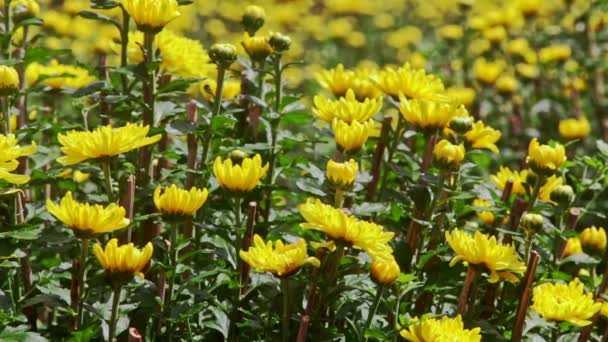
(564, 302)
(363, 235)
(347, 108)
(103, 142)
(445, 329)
(9, 153)
(276, 257)
(501, 261)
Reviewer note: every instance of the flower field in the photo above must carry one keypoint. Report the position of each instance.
(303, 170)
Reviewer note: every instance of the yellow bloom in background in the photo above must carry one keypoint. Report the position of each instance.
(554, 53)
(57, 75)
(488, 72)
(561, 302)
(501, 261)
(518, 46)
(9, 153)
(430, 115)
(506, 84)
(545, 158)
(486, 217)
(504, 174)
(23, 9)
(385, 271)
(337, 81)
(460, 96)
(151, 14)
(76, 175)
(483, 137)
(448, 154)
(277, 258)
(574, 128)
(85, 218)
(495, 34)
(546, 189)
(364, 235)
(450, 32)
(446, 329)
(231, 89)
(9, 80)
(103, 142)
(239, 177)
(347, 109)
(411, 83)
(175, 201)
(125, 259)
(342, 175)
(258, 48)
(594, 238)
(573, 246)
(529, 71)
(352, 136)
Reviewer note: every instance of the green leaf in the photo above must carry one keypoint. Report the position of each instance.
(602, 146)
(42, 54)
(100, 17)
(89, 89)
(27, 232)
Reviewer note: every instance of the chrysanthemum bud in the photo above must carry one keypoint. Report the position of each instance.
(594, 238)
(258, 48)
(223, 54)
(461, 124)
(9, 80)
(237, 156)
(532, 223)
(341, 175)
(280, 42)
(562, 195)
(253, 19)
(385, 271)
(448, 155)
(531, 179)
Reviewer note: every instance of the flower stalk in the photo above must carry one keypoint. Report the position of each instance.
(114, 315)
(217, 106)
(464, 293)
(373, 308)
(81, 280)
(285, 314)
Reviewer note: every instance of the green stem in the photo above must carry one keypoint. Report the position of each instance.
(82, 278)
(217, 107)
(339, 198)
(261, 80)
(285, 316)
(114, 316)
(529, 240)
(107, 177)
(373, 309)
(173, 262)
(237, 212)
(392, 147)
(277, 84)
(535, 192)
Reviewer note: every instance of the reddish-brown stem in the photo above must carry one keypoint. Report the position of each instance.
(134, 335)
(464, 293)
(524, 298)
(310, 304)
(127, 199)
(427, 158)
(517, 210)
(372, 187)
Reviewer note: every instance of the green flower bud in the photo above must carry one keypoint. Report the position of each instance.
(531, 223)
(562, 195)
(253, 19)
(461, 124)
(223, 55)
(280, 42)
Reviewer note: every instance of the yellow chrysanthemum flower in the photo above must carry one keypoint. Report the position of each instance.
(230, 90)
(385, 270)
(124, 259)
(57, 75)
(546, 189)
(450, 32)
(179, 56)
(460, 95)
(151, 14)
(241, 177)
(488, 72)
(413, 84)
(545, 159)
(447, 154)
(341, 175)
(446, 329)
(9, 80)
(257, 47)
(574, 128)
(352, 136)
(364, 235)
(103, 142)
(554, 53)
(482, 136)
(347, 109)
(506, 84)
(88, 219)
(9, 152)
(23, 9)
(486, 217)
(573, 246)
(175, 201)
(594, 238)
(429, 115)
(500, 260)
(561, 302)
(337, 81)
(277, 258)
(505, 173)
